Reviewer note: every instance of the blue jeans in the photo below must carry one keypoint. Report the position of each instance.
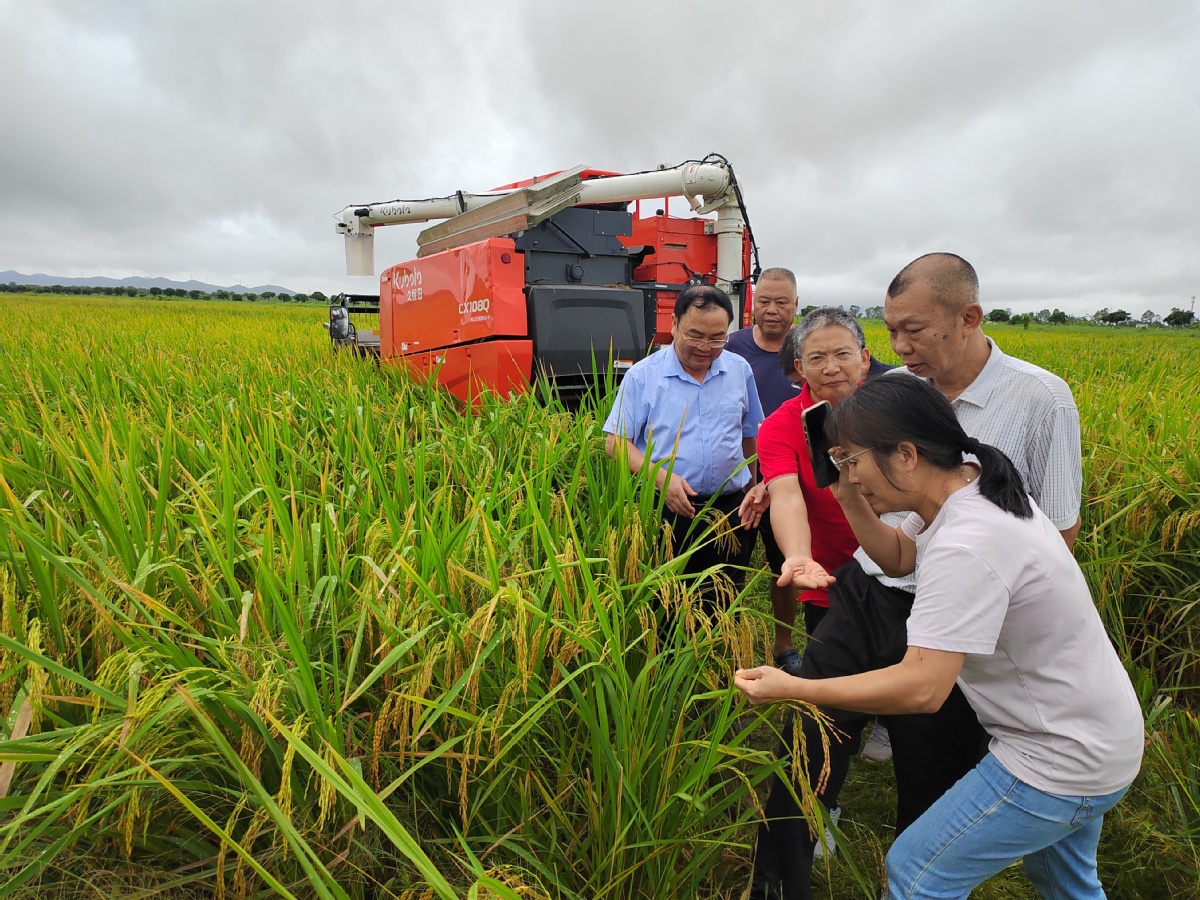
(989, 820)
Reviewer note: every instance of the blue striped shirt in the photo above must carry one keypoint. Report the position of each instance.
(1030, 414)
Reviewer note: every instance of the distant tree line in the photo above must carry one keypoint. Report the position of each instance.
(1176, 318)
(122, 291)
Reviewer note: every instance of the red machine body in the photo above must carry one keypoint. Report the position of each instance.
(683, 249)
(591, 286)
(460, 315)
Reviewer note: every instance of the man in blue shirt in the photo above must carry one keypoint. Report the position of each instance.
(775, 306)
(688, 416)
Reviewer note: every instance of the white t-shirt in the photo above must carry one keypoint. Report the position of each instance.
(1040, 671)
(872, 568)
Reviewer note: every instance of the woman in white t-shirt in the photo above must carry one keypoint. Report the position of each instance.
(1002, 607)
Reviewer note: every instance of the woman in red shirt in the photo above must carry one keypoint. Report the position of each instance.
(831, 357)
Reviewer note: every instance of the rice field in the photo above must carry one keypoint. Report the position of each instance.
(275, 622)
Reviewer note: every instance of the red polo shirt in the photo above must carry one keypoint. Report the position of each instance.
(782, 450)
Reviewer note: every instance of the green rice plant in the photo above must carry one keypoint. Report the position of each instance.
(1174, 756)
(311, 629)
(277, 621)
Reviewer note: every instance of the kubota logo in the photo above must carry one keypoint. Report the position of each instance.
(404, 280)
(469, 307)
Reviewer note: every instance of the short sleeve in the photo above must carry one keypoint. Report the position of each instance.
(960, 602)
(1055, 467)
(627, 418)
(754, 411)
(912, 526)
(777, 457)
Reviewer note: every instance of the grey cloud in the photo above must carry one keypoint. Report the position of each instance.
(1052, 144)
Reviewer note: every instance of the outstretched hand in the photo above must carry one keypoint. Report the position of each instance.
(804, 573)
(767, 684)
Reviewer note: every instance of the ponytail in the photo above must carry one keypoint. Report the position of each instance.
(999, 480)
(885, 412)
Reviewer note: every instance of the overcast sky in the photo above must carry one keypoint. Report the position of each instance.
(1056, 145)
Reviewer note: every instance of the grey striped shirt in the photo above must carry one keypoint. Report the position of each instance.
(1029, 413)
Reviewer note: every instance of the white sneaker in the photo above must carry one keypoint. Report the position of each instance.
(879, 748)
(827, 843)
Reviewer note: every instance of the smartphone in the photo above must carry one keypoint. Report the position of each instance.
(824, 471)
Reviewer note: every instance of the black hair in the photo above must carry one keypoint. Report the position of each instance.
(702, 296)
(789, 351)
(887, 411)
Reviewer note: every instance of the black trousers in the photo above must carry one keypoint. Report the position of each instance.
(813, 615)
(864, 630)
(731, 556)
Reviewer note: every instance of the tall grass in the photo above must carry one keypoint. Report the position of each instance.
(274, 621)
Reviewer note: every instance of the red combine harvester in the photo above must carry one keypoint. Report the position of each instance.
(552, 277)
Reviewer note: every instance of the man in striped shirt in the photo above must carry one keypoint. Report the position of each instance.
(934, 320)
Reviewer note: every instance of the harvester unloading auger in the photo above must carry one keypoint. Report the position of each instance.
(554, 276)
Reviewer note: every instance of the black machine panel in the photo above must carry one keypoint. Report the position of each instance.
(578, 246)
(582, 310)
(572, 325)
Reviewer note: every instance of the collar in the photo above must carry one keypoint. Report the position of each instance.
(672, 366)
(979, 391)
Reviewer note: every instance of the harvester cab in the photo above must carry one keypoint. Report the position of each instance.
(555, 277)
(345, 333)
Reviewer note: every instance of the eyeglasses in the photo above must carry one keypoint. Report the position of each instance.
(821, 360)
(701, 344)
(835, 456)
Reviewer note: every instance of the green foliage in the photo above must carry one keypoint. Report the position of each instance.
(278, 621)
(155, 292)
(1180, 318)
(284, 622)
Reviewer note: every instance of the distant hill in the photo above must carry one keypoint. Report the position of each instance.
(145, 283)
